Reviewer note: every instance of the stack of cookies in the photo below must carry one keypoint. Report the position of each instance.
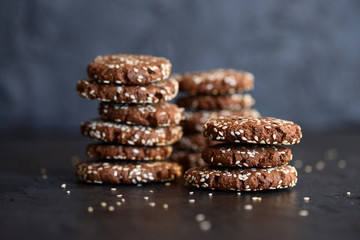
(251, 159)
(137, 127)
(211, 94)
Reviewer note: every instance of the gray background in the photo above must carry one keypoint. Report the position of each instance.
(305, 54)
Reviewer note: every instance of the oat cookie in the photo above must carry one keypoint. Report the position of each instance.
(127, 172)
(127, 69)
(241, 179)
(131, 135)
(246, 155)
(262, 130)
(125, 152)
(216, 82)
(153, 93)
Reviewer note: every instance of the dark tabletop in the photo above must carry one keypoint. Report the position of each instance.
(34, 206)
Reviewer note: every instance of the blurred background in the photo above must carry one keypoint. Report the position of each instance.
(305, 55)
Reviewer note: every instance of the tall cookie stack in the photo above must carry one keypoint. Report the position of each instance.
(137, 127)
(252, 159)
(212, 93)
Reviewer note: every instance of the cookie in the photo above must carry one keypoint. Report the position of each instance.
(221, 102)
(124, 152)
(241, 179)
(188, 159)
(193, 121)
(155, 115)
(262, 130)
(153, 93)
(127, 173)
(246, 155)
(194, 142)
(216, 82)
(131, 135)
(126, 69)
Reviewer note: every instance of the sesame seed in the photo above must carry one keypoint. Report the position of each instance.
(256, 199)
(113, 189)
(191, 200)
(63, 185)
(320, 165)
(191, 193)
(303, 213)
(103, 204)
(165, 206)
(342, 164)
(111, 208)
(90, 209)
(151, 191)
(167, 184)
(43, 170)
(152, 204)
(308, 169)
(210, 194)
(119, 195)
(146, 198)
(44, 176)
(123, 200)
(68, 192)
(248, 207)
(348, 193)
(200, 217)
(306, 199)
(238, 193)
(205, 225)
(118, 203)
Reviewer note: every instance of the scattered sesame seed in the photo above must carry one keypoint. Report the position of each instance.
(256, 199)
(111, 208)
(151, 191)
(320, 165)
(63, 185)
(200, 217)
(44, 176)
(342, 164)
(113, 189)
(308, 169)
(146, 198)
(119, 195)
(238, 193)
(165, 206)
(90, 209)
(298, 163)
(306, 199)
(43, 170)
(191, 193)
(330, 154)
(210, 194)
(205, 225)
(152, 204)
(303, 213)
(191, 200)
(348, 193)
(123, 200)
(103, 204)
(139, 185)
(167, 184)
(68, 192)
(248, 207)
(118, 203)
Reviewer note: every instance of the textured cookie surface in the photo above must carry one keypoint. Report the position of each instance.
(220, 102)
(216, 82)
(125, 152)
(193, 121)
(188, 159)
(127, 173)
(262, 130)
(246, 155)
(131, 135)
(129, 69)
(194, 142)
(155, 115)
(238, 179)
(153, 93)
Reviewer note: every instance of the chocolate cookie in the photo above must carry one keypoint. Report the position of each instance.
(246, 155)
(262, 130)
(124, 152)
(127, 173)
(131, 135)
(129, 69)
(153, 93)
(193, 121)
(216, 82)
(238, 179)
(194, 142)
(188, 159)
(221, 102)
(155, 115)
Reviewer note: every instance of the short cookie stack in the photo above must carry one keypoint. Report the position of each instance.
(252, 159)
(137, 127)
(212, 93)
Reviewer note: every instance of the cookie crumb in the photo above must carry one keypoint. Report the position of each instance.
(191, 200)
(308, 169)
(200, 217)
(167, 184)
(90, 209)
(248, 207)
(348, 193)
(165, 206)
(303, 213)
(306, 199)
(63, 185)
(113, 189)
(103, 204)
(205, 225)
(152, 204)
(342, 164)
(111, 208)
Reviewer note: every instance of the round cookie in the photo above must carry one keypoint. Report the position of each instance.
(124, 152)
(155, 115)
(216, 82)
(194, 142)
(262, 130)
(153, 93)
(194, 121)
(240, 179)
(220, 102)
(188, 159)
(246, 155)
(129, 69)
(127, 173)
(131, 135)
